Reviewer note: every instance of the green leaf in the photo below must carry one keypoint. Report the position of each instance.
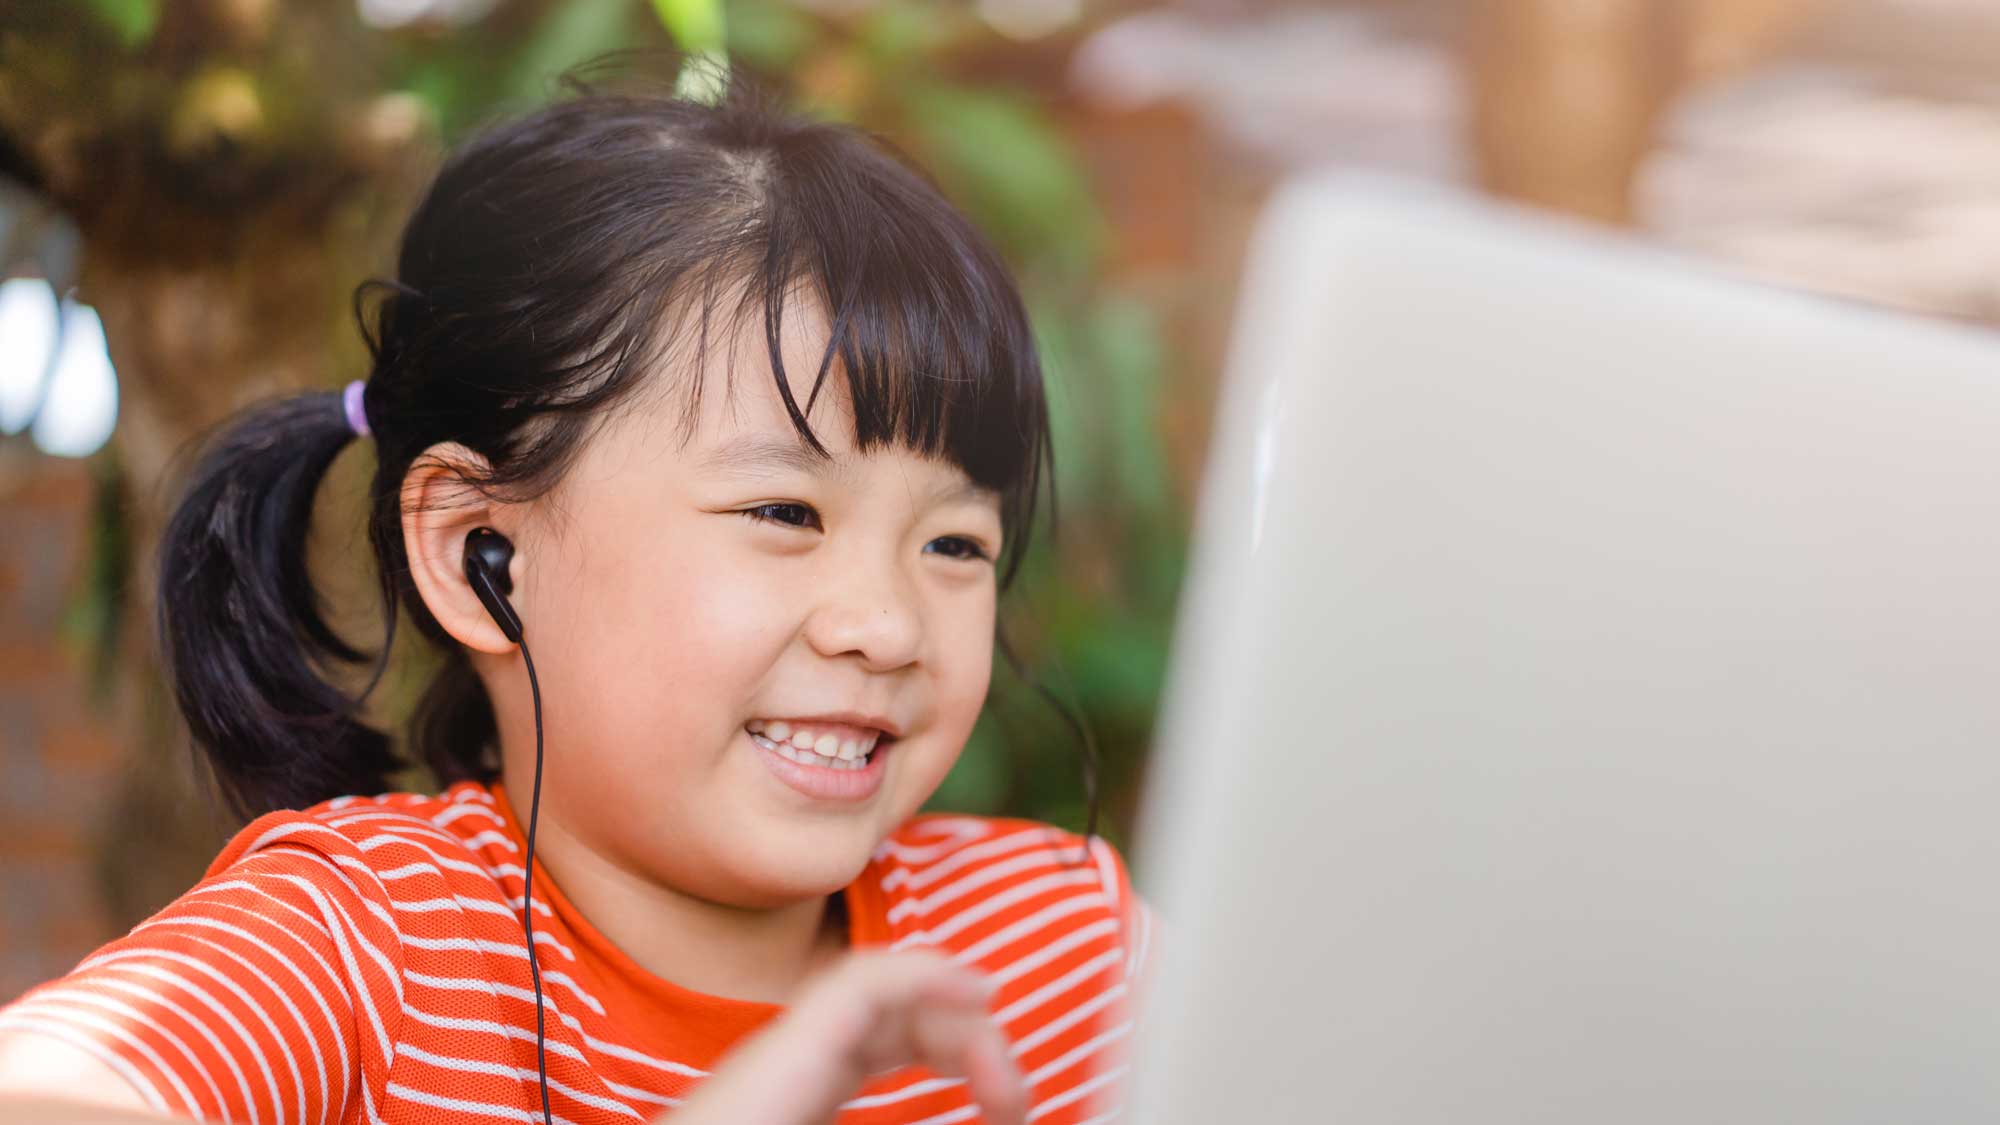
(571, 32)
(443, 87)
(94, 617)
(897, 33)
(1070, 414)
(1120, 667)
(131, 20)
(1125, 341)
(1004, 160)
(767, 33)
(696, 25)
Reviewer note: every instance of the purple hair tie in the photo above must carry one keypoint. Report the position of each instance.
(357, 413)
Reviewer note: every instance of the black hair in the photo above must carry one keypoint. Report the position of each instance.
(542, 275)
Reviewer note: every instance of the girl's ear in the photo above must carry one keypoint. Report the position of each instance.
(439, 510)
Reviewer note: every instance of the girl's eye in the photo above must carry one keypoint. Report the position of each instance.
(968, 550)
(788, 515)
(757, 514)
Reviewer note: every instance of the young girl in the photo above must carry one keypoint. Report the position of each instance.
(742, 423)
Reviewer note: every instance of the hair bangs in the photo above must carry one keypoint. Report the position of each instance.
(926, 327)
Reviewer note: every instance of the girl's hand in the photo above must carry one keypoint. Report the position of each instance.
(872, 1011)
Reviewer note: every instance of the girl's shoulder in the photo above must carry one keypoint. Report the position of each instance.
(458, 836)
(1002, 887)
(930, 839)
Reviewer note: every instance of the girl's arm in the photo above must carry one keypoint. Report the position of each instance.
(43, 1079)
(238, 1000)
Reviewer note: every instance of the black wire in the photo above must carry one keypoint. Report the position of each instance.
(528, 887)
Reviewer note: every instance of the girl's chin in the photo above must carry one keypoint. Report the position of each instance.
(776, 889)
(804, 855)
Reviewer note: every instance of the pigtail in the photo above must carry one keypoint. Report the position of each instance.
(240, 625)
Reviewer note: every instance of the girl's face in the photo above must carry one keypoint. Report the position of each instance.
(671, 596)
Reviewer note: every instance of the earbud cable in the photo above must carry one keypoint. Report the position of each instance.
(528, 886)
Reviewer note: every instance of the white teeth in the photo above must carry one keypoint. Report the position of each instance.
(791, 752)
(826, 745)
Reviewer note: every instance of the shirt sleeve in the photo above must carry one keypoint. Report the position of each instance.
(1138, 925)
(269, 992)
(1138, 933)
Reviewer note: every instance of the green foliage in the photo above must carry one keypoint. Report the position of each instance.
(697, 25)
(900, 34)
(1001, 158)
(132, 21)
(93, 621)
(486, 70)
(567, 34)
(770, 35)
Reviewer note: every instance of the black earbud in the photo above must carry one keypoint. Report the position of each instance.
(487, 553)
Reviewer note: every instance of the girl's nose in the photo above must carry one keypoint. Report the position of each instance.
(876, 618)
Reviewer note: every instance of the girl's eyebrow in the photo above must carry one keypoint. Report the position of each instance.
(757, 455)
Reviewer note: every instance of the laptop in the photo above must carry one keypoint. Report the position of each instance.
(1584, 704)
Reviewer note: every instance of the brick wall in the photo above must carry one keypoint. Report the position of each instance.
(60, 760)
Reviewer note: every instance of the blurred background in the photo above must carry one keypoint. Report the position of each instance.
(190, 190)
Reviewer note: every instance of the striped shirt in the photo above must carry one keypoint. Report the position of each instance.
(363, 961)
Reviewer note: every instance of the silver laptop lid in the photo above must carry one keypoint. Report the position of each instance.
(1585, 704)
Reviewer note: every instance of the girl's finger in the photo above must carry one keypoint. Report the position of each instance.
(997, 1082)
(965, 1042)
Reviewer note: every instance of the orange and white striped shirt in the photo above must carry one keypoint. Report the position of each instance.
(362, 961)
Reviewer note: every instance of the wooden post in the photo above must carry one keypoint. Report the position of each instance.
(1567, 96)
